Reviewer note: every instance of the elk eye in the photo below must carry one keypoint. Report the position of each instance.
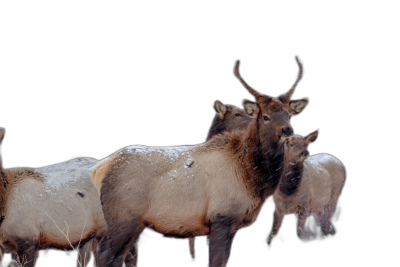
(266, 118)
(291, 145)
(238, 115)
(290, 116)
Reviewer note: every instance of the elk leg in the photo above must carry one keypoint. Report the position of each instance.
(228, 248)
(302, 233)
(121, 239)
(84, 254)
(220, 241)
(131, 257)
(36, 255)
(326, 226)
(278, 217)
(26, 254)
(191, 247)
(330, 211)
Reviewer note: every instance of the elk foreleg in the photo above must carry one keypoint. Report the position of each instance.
(131, 257)
(221, 239)
(84, 254)
(228, 248)
(27, 254)
(303, 233)
(120, 241)
(278, 217)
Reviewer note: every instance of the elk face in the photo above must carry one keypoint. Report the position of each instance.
(232, 116)
(273, 114)
(228, 118)
(296, 148)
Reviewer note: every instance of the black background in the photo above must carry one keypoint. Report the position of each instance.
(88, 89)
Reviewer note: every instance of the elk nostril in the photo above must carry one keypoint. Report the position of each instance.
(287, 131)
(304, 153)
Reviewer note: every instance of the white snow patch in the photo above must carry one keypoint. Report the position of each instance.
(60, 175)
(173, 152)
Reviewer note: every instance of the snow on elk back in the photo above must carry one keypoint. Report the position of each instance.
(60, 176)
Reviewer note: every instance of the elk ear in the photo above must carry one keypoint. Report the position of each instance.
(311, 137)
(2, 133)
(251, 108)
(220, 109)
(297, 106)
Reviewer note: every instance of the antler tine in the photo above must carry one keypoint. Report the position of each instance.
(237, 74)
(288, 95)
(300, 72)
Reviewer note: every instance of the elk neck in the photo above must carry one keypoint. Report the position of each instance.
(263, 158)
(217, 127)
(291, 178)
(9, 179)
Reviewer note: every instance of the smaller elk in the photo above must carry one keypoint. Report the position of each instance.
(309, 186)
(50, 207)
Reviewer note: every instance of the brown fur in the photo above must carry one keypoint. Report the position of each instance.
(221, 192)
(227, 118)
(320, 181)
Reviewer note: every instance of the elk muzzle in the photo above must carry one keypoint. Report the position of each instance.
(287, 131)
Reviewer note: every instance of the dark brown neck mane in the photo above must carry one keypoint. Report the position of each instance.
(217, 127)
(262, 157)
(291, 178)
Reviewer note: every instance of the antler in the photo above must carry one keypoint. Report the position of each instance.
(237, 74)
(288, 95)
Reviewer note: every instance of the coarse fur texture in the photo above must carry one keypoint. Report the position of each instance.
(44, 210)
(309, 186)
(228, 180)
(55, 206)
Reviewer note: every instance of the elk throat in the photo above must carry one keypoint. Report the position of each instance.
(291, 178)
(266, 162)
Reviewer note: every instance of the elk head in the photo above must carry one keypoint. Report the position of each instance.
(296, 148)
(228, 118)
(273, 114)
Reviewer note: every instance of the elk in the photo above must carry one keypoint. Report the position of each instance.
(55, 206)
(214, 188)
(309, 186)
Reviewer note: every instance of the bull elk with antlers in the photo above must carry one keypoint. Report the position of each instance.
(212, 189)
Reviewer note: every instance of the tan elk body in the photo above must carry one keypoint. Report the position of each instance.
(55, 206)
(212, 189)
(309, 186)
